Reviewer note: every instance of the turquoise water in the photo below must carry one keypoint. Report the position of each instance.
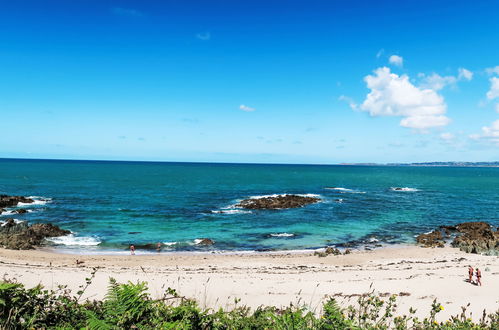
(109, 205)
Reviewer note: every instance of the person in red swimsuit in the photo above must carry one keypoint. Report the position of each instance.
(478, 277)
(470, 274)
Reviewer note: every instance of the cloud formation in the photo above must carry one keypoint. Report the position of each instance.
(246, 108)
(438, 82)
(494, 70)
(396, 60)
(494, 88)
(126, 12)
(489, 133)
(205, 36)
(394, 95)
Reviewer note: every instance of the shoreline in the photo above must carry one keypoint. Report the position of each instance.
(277, 279)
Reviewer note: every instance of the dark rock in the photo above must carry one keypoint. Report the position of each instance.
(432, 239)
(206, 241)
(10, 201)
(477, 237)
(20, 236)
(347, 251)
(278, 202)
(21, 211)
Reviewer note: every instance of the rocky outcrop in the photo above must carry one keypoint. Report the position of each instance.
(277, 202)
(20, 236)
(432, 239)
(10, 201)
(477, 237)
(206, 241)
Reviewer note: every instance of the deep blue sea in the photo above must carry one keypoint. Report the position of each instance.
(110, 205)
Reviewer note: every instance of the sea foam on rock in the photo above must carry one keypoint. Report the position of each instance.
(278, 201)
(18, 235)
(11, 201)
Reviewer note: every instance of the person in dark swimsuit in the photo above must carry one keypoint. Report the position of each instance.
(478, 277)
(158, 247)
(470, 274)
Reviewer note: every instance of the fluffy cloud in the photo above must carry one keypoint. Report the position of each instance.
(438, 82)
(494, 88)
(494, 70)
(497, 107)
(464, 74)
(447, 136)
(396, 60)
(246, 108)
(489, 133)
(394, 95)
(350, 101)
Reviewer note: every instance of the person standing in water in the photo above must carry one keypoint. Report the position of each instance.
(132, 249)
(158, 247)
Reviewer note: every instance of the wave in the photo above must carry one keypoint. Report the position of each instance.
(74, 240)
(37, 200)
(345, 190)
(283, 195)
(282, 235)
(170, 243)
(16, 221)
(230, 211)
(407, 189)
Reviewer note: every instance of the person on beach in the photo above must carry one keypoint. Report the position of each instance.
(158, 247)
(470, 274)
(132, 249)
(478, 277)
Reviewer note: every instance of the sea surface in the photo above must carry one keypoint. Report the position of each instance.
(110, 205)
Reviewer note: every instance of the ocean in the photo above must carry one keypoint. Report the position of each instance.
(109, 205)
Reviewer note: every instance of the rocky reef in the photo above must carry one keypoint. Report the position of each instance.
(11, 201)
(470, 237)
(277, 202)
(20, 236)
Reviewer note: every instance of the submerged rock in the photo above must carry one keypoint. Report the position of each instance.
(477, 237)
(10, 201)
(19, 236)
(205, 241)
(278, 202)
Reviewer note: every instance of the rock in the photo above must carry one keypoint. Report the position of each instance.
(278, 202)
(206, 241)
(432, 239)
(477, 237)
(20, 236)
(10, 201)
(21, 211)
(347, 251)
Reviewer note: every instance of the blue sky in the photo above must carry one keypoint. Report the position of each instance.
(250, 81)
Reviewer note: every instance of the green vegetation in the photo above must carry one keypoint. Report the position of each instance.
(128, 306)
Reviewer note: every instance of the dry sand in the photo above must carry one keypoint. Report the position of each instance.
(215, 280)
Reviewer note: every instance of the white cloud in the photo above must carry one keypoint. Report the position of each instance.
(246, 108)
(394, 95)
(494, 70)
(350, 101)
(494, 88)
(205, 36)
(126, 12)
(396, 60)
(489, 133)
(464, 74)
(447, 136)
(438, 82)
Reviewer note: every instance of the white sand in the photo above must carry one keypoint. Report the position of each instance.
(278, 279)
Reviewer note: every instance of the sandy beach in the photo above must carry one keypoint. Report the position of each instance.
(417, 275)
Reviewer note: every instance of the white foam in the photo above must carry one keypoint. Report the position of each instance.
(284, 195)
(8, 212)
(74, 240)
(282, 235)
(198, 241)
(16, 221)
(230, 211)
(37, 200)
(373, 240)
(170, 243)
(346, 190)
(404, 189)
